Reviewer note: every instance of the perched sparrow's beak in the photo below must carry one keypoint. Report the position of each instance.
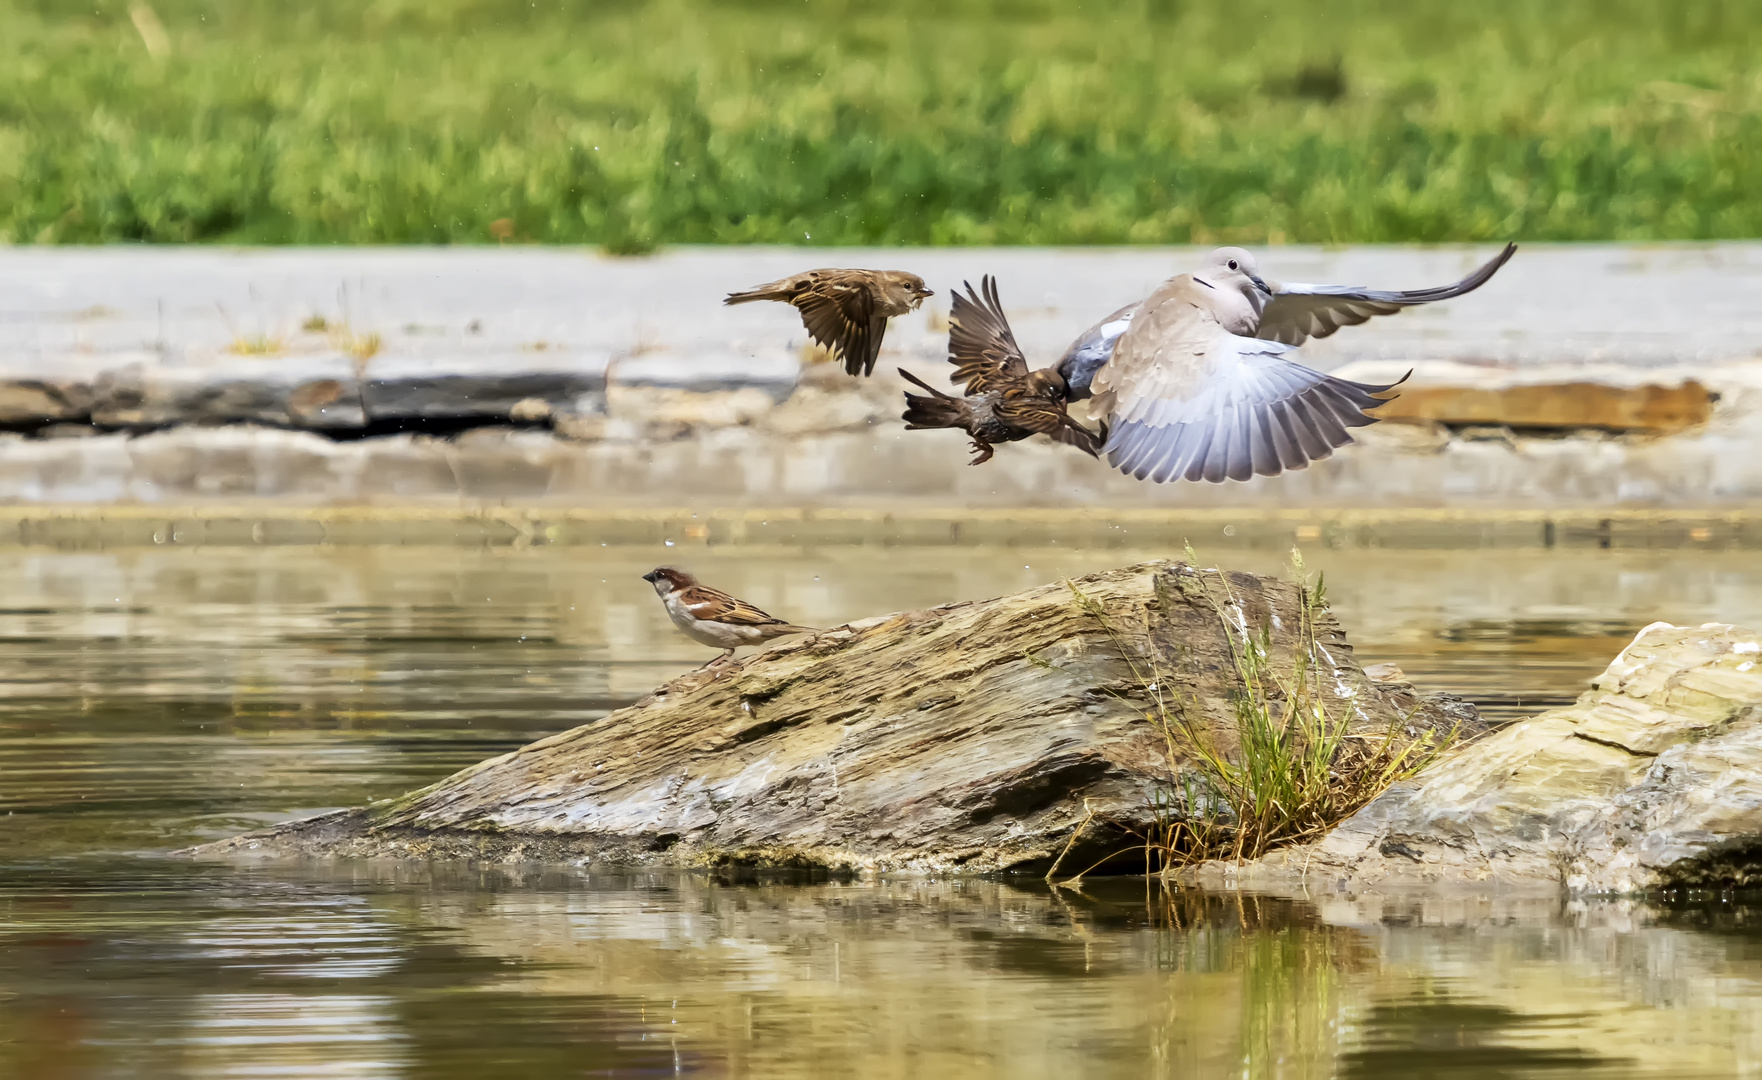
(651, 576)
(1261, 285)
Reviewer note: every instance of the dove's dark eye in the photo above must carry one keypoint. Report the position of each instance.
(1233, 265)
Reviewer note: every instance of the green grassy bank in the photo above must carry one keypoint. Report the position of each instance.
(834, 121)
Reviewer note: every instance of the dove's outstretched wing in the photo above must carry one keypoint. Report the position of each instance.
(1188, 400)
(1295, 313)
(1298, 312)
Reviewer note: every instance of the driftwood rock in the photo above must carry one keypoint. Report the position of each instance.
(1651, 780)
(975, 737)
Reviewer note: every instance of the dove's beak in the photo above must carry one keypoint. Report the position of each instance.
(1261, 285)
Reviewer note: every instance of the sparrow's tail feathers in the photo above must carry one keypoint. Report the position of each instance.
(939, 410)
(791, 628)
(763, 292)
(921, 384)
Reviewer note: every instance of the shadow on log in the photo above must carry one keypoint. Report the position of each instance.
(973, 737)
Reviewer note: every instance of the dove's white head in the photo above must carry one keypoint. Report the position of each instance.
(1243, 295)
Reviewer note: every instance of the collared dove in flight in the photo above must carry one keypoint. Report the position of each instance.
(1199, 381)
(1293, 313)
(1188, 396)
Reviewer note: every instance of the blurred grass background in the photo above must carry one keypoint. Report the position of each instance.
(878, 121)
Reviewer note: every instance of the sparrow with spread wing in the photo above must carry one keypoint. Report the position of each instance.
(1289, 313)
(845, 310)
(712, 617)
(1190, 397)
(1004, 401)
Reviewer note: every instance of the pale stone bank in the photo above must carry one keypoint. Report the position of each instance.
(1583, 375)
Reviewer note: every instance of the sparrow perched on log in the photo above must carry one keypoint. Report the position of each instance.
(1004, 401)
(845, 310)
(712, 617)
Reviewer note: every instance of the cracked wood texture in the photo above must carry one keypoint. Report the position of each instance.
(1651, 780)
(972, 737)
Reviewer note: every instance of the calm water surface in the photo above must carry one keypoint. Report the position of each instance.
(152, 698)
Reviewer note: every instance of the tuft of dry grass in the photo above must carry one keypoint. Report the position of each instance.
(1297, 769)
(257, 345)
(358, 347)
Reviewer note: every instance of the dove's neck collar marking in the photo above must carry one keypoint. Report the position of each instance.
(1231, 271)
(1236, 310)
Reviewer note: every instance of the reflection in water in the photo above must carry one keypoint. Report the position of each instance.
(1441, 1034)
(371, 970)
(153, 698)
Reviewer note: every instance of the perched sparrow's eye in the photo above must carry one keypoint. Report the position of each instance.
(1233, 265)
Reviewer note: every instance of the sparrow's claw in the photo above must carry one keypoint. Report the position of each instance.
(982, 452)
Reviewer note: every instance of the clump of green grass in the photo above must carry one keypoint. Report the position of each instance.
(1295, 769)
(839, 122)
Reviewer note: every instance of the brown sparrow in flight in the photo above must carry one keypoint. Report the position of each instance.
(845, 310)
(1004, 401)
(712, 617)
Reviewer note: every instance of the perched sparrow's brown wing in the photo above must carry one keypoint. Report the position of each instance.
(717, 606)
(1298, 312)
(980, 345)
(714, 605)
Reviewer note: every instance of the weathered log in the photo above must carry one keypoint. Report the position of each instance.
(974, 736)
